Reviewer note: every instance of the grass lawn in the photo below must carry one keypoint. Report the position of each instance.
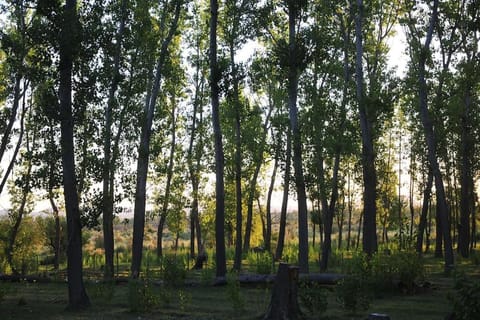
(48, 301)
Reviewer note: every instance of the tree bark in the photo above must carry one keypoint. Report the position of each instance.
(77, 296)
(284, 302)
(215, 75)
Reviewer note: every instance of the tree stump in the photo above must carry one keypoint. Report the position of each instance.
(284, 303)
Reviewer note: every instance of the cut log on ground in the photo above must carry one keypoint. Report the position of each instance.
(284, 303)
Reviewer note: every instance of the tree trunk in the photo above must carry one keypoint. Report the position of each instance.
(77, 296)
(144, 150)
(166, 197)
(431, 142)
(284, 302)
(293, 74)
(238, 168)
(215, 75)
(283, 210)
(423, 216)
(268, 237)
(253, 186)
(108, 238)
(467, 199)
(368, 155)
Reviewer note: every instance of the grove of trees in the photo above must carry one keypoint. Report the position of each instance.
(211, 116)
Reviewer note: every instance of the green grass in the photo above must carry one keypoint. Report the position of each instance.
(22, 300)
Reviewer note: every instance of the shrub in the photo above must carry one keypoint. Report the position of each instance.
(174, 272)
(354, 292)
(234, 294)
(313, 298)
(102, 292)
(262, 262)
(141, 297)
(466, 300)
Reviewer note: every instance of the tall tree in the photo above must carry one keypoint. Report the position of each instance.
(69, 38)
(368, 153)
(215, 74)
(107, 190)
(295, 65)
(144, 146)
(422, 52)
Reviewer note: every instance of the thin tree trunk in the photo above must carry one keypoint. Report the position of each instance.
(431, 142)
(77, 296)
(253, 184)
(166, 196)
(108, 238)
(215, 75)
(423, 216)
(293, 74)
(283, 210)
(268, 237)
(368, 155)
(144, 150)
(467, 200)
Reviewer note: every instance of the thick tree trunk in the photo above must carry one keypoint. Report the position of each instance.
(284, 302)
(144, 149)
(368, 155)
(221, 267)
(77, 296)
(286, 188)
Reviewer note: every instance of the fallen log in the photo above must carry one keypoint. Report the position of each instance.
(319, 278)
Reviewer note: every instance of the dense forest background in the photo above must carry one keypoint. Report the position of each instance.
(193, 114)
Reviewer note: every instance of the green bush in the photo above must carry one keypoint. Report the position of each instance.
(102, 292)
(466, 300)
(141, 297)
(234, 294)
(354, 292)
(313, 298)
(262, 262)
(174, 272)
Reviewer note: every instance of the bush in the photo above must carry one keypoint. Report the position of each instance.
(399, 270)
(262, 261)
(141, 297)
(102, 292)
(174, 272)
(313, 298)
(234, 294)
(354, 292)
(466, 300)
